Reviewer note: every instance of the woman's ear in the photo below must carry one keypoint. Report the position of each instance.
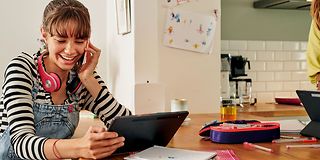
(44, 34)
(43, 39)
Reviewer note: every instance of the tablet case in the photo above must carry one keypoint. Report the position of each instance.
(311, 103)
(146, 130)
(240, 131)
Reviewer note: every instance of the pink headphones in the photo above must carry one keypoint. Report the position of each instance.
(51, 81)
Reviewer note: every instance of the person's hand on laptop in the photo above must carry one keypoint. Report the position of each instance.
(98, 143)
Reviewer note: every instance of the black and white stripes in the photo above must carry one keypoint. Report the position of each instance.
(16, 103)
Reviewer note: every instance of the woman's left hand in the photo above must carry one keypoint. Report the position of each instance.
(92, 55)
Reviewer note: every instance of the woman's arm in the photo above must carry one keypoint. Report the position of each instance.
(313, 53)
(86, 71)
(17, 100)
(104, 105)
(97, 97)
(97, 143)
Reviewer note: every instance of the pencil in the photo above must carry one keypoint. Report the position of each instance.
(303, 146)
(308, 139)
(258, 147)
(288, 137)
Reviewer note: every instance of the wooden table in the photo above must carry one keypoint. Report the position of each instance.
(187, 136)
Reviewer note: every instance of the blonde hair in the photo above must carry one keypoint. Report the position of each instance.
(315, 8)
(58, 15)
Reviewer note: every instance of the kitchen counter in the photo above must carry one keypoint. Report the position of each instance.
(273, 110)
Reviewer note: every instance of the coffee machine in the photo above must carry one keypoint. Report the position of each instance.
(234, 81)
(224, 75)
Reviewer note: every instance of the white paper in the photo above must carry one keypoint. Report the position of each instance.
(189, 30)
(165, 153)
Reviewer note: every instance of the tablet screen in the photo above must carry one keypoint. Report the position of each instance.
(146, 130)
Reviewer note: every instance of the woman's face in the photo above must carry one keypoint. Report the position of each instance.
(65, 51)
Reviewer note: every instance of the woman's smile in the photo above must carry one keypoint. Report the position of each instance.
(68, 59)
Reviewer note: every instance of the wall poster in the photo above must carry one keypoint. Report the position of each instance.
(189, 30)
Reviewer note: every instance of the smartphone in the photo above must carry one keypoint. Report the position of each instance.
(78, 64)
(76, 82)
(81, 60)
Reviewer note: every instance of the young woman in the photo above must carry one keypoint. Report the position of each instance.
(43, 93)
(313, 49)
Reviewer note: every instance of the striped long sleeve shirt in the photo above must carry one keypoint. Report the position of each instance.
(17, 100)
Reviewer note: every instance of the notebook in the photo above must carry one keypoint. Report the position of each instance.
(165, 153)
(311, 103)
(146, 130)
(291, 125)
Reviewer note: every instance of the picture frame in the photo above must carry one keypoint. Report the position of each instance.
(123, 16)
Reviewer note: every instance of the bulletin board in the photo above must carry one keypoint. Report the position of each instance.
(189, 30)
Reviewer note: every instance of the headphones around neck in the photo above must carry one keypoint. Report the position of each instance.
(51, 81)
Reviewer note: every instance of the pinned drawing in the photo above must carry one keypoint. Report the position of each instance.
(189, 30)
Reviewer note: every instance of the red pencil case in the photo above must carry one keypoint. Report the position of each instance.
(240, 131)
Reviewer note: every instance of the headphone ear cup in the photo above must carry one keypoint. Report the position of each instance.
(56, 81)
(51, 82)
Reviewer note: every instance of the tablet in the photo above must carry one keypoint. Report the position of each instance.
(311, 103)
(146, 130)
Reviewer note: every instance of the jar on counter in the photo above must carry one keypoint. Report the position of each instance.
(228, 110)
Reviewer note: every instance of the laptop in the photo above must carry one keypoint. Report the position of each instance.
(311, 103)
(146, 130)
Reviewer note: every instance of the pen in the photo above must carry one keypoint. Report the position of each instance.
(258, 147)
(288, 137)
(308, 139)
(303, 146)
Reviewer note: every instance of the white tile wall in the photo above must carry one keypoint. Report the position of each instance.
(278, 68)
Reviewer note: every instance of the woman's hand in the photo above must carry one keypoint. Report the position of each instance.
(98, 143)
(91, 57)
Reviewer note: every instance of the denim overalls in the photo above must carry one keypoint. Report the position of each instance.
(51, 121)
